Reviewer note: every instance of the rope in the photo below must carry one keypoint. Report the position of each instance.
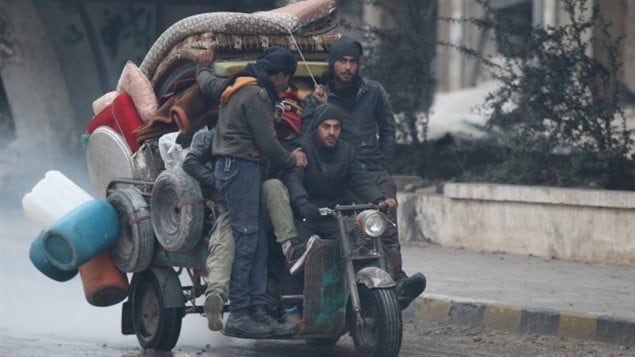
(192, 201)
(302, 56)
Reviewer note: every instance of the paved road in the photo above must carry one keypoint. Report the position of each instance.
(420, 339)
(526, 282)
(41, 317)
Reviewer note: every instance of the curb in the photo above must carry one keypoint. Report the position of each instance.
(522, 320)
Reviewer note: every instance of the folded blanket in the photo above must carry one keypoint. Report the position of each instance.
(191, 110)
(186, 111)
(161, 123)
(176, 87)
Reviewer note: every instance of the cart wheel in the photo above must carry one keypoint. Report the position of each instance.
(322, 342)
(156, 326)
(134, 249)
(177, 210)
(382, 328)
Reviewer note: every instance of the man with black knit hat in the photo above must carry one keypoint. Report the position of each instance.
(244, 135)
(370, 128)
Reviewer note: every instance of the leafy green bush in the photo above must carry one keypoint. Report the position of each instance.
(555, 119)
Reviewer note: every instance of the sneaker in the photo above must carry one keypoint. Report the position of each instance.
(292, 315)
(241, 323)
(214, 311)
(260, 314)
(292, 250)
(299, 263)
(408, 288)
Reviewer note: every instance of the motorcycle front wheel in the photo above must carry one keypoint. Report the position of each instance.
(381, 330)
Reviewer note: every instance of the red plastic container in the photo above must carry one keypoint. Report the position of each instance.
(104, 117)
(104, 284)
(122, 117)
(127, 119)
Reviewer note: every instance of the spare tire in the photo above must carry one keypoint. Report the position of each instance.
(134, 249)
(177, 210)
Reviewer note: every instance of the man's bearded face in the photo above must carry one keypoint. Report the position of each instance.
(329, 132)
(345, 69)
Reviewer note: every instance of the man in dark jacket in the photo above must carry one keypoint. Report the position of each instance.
(244, 135)
(199, 164)
(370, 128)
(333, 169)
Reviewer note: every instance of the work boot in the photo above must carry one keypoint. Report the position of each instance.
(408, 288)
(214, 311)
(241, 323)
(260, 314)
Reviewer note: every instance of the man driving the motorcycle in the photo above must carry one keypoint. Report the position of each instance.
(333, 168)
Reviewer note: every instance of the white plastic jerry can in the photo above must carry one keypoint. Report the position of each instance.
(51, 198)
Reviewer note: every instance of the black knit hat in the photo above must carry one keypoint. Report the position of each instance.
(328, 111)
(345, 46)
(277, 59)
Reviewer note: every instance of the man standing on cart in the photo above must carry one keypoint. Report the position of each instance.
(244, 136)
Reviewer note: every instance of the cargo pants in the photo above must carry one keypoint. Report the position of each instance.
(277, 213)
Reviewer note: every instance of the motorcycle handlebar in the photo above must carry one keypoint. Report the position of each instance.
(355, 207)
(384, 208)
(325, 211)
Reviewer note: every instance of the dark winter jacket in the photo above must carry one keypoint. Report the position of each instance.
(369, 127)
(330, 173)
(245, 128)
(199, 164)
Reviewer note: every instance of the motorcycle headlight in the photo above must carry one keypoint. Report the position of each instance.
(371, 222)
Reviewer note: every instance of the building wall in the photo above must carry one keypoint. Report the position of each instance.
(56, 57)
(596, 226)
(629, 46)
(615, 12)
(455, 72)
(37, 93)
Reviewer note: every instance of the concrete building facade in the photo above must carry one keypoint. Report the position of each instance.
(455, 71)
